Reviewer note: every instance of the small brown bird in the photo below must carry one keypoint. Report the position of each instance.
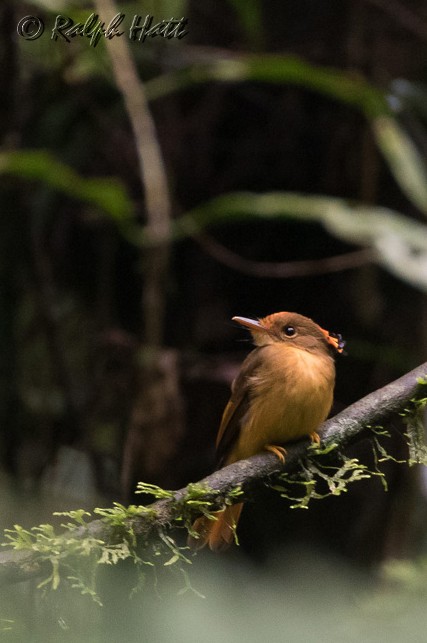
(283, 392)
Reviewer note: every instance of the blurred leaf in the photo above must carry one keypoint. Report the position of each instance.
(250, 17)
(400, 153)
(51, 5)
(400, 242)
(405, 161)
(160, 9)
(406, 94)
(353, 90)
(109, 195)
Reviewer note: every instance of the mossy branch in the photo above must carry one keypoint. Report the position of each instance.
(234, 483)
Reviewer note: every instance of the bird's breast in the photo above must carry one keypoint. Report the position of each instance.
(290, 396)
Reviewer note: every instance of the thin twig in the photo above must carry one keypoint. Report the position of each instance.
(151, 414)
(153, 178)
(404, 16)
(284, 269)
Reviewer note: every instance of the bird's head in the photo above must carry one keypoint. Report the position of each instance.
(294, 330)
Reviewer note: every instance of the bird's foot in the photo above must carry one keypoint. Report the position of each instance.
(280, 452)
(315, 437)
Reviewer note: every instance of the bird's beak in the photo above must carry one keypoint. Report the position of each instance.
(253, 324)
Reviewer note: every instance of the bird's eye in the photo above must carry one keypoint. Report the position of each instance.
(289, 331)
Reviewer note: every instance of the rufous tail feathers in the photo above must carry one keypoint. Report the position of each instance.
(219, 533)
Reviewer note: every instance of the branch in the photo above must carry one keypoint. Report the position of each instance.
(284, 269)
(153, 179)
(406, 18)
(151, 409)
(251, 474)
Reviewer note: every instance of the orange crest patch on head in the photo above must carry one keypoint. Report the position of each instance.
(334, 339)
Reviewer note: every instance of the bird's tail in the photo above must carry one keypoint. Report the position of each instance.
(219, 533)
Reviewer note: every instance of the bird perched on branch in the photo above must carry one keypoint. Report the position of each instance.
(283, 392)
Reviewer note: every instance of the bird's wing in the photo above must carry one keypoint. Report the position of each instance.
(234, 413)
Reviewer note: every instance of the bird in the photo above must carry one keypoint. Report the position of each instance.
(283, 392)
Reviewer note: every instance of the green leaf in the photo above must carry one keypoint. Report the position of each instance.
(403, 158)
(399, 243)
(153, 490)
(172, 560)
(250, 18)
(281, 70)
(400, 153)
(107, 194)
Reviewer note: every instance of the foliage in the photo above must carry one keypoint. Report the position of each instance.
(72, 553)
(400, 243)
(275, 69)
(107, 194)
(250, 17)
(401, 154)
(74, 556)
(317, 479)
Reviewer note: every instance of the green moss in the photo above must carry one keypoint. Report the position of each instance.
(74, 557)
(318, 478)
(327, 471)
(413, 417)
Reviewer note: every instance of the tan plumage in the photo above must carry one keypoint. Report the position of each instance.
(283, 392)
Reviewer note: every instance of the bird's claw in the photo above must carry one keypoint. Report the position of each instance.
(280, 452)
